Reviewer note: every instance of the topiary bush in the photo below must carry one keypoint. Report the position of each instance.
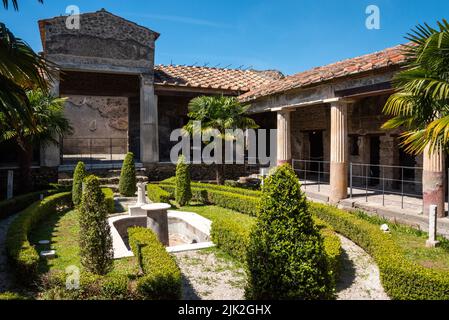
(183, 192)
(95, 238)
(127, 184)
(77, 187)
(286, 257)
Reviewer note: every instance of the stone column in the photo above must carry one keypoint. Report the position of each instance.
(339, 152)
(284, 151)
(433, 180)
(149, 141)
(50, 154)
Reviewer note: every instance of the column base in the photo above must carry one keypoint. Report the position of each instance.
(338, 182)
(433, 192)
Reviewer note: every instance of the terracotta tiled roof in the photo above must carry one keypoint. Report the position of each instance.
(349, 67)
(213, 78)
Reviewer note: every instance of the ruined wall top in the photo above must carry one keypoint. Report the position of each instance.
(103, 42)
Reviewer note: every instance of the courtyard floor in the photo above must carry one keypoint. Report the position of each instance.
(406, 210)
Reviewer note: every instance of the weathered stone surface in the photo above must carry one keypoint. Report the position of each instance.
(103, 41)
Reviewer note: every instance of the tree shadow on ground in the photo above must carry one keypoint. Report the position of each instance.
(347, 273)
(188, 291)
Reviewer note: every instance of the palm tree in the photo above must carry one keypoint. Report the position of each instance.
(49, 123)
(20, 69)
(420, 105)
(219, 113)
(15, 4)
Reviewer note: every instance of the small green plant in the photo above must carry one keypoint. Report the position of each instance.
(127, 184)
(183, 193)
(286, 257)
(77, 188)
(95, 237)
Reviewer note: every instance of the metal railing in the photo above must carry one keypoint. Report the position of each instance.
(385, 180)
(312, 172)
(93, 150)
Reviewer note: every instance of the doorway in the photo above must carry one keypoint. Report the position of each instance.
(316, 153)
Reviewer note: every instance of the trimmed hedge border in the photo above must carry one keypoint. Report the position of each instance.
(109, 199)
(157, 194)
(21, 252)
(225, 198)
(19, 203)
(401, 278)
(162, 277)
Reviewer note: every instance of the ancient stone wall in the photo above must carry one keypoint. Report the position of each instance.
(104, 41)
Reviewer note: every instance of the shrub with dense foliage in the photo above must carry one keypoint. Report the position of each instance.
(127, 184)
(95, 237)
(183, 192)
(401, 278)
(21, 252)
(19, 203)
(238, 199)
(162, 277)
(109, 199)
(157, 194)
(286, 257)
(77, 188)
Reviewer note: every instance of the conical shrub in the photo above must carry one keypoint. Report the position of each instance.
(77, 188)
(286, 257)
(127, 184)
(95, 238)
(183, 192)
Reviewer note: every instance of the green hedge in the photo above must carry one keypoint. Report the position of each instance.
(401, 278)
(221, 196)
(11, 296)
(109, 199)
(22, 253)
(157, 194)
(19, 203)
(332, 247)
(162, 278)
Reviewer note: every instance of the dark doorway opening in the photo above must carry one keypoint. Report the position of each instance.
(316, 154)
(408, 174)
(374, 173)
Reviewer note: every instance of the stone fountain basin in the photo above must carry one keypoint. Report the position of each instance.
(187, 231)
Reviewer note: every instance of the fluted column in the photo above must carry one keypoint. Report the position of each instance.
(149, 141)
(339, 152)
(284, 151)
(433, 180)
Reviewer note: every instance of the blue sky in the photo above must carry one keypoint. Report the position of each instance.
(288, 35)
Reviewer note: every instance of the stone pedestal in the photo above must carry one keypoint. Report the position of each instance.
(157, 220)
(432, 241)
(339, 152)
(284, 153)
(141, 195)
(433, 181)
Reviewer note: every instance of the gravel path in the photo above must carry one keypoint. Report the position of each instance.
(6, 274)
(206, 276)
(359, 278)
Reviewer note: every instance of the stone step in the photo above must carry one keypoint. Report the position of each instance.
(109, 180)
